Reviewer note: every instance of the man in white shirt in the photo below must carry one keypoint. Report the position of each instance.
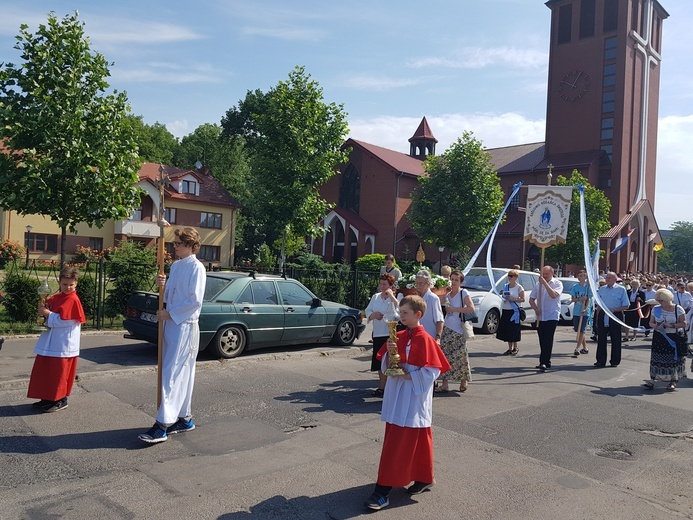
(545, 299)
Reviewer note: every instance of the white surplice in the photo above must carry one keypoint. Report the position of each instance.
(183, 295)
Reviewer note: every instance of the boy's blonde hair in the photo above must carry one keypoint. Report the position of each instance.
(415, 303)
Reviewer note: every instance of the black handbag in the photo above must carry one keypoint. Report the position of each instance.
(470, 316)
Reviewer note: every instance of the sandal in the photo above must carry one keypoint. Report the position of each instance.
(507, 352)
(672, 386)
(463, 386)
(514, 351)
(576, 353)
(379, 392)
(649, 385)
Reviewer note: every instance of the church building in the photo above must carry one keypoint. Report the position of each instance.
(602, 112)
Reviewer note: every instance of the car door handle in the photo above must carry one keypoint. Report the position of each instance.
(290, 309)
(246, 309)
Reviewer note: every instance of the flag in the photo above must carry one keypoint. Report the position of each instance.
(621, 241)
(651, 237)
(658, 247)
(546, 218)
(595, 261)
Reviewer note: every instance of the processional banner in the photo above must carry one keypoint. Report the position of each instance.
(548, 209)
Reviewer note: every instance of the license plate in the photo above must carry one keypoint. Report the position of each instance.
(146, 316)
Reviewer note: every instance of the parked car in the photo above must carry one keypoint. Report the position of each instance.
(244, 311)
(488, 304)
(566, 304)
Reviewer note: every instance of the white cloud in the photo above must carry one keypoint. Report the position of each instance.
(285, 33)
(379, 83)
(168, 73)
(492, 129)
(119, 31)
(179, 128)
(479, 57)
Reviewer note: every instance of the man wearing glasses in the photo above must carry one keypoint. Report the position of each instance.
(183, 297)
(615, 298)
(682, 297)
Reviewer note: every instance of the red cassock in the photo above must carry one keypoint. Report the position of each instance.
(407, 453)
(52, 377)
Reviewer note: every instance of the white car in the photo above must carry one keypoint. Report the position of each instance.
(488, 304)
(566, 304)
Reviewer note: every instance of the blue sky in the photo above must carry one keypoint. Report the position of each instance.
(465, 65)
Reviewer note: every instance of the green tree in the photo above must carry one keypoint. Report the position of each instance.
(294, 144)
(460, 197)
(70, 154)
(678, 245)
(226, 159)
(597, 208)
(155, 143)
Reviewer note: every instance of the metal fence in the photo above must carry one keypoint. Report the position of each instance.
(102, 298)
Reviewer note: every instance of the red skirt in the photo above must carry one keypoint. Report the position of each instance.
(407, 456)
(52, 377)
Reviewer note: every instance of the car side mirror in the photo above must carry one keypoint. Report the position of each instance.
(317, 302)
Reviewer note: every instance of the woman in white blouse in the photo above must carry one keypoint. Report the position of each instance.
(382, 308)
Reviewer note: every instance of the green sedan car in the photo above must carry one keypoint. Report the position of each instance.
(244, 311)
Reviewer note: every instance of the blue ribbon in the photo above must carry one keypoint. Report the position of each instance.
(515, 318)
(672, 343)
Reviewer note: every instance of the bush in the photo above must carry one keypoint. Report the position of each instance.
(21, 297)
(372, 262)
(86, 290)
(132, 268)
(10, 252)
(311, 261)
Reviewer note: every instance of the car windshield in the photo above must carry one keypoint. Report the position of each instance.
(477, 279)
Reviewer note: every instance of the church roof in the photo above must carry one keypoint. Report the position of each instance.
(521, 157)
(423, 132)
(355, 220)
(532, 156)
(397, 160)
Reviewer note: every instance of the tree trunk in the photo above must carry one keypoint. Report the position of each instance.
(63, 236)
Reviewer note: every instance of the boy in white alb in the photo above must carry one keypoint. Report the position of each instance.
(183, 297)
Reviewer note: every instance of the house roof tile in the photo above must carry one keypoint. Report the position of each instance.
(211, 190)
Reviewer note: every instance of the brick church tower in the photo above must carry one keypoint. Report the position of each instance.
(601, 119)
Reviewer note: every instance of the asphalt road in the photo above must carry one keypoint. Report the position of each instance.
(295, 434)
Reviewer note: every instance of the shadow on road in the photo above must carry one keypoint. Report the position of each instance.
(347, 397)
(347, 503)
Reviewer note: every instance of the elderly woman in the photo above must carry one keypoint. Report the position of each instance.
(432, 321)
(668, 355)
(453, 341)
(382, 308)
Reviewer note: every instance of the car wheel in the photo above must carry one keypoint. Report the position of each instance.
(230, 341)
(491, 322)
(345, 333)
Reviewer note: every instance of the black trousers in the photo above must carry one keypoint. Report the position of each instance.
(545, 332)
(613, 330)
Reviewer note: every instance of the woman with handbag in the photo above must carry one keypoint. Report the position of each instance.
(669, 348)
(511, 319)
(453, 341)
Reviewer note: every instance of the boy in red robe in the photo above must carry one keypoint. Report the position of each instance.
(407, 453)
(57, 349)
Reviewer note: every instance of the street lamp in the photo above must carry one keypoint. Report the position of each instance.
(440, 258)
(28, 233)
